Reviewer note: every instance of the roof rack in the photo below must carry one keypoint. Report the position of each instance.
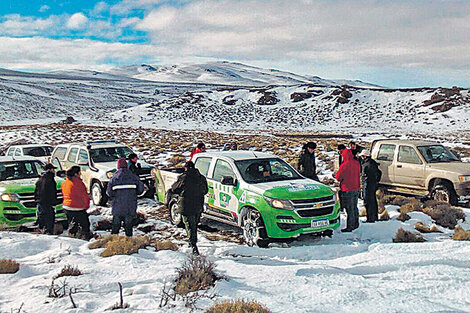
(90, 142)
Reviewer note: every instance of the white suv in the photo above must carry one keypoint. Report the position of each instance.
(41, 152)
(98, 161)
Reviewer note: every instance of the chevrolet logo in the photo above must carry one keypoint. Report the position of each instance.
(318, 205)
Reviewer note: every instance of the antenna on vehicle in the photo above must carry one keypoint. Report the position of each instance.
(254, 154)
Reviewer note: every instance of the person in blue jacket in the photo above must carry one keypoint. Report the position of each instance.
(123, 189)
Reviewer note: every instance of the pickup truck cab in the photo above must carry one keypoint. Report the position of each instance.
(41, 152)
(422, 168)
(258, 192)
(98, 160)
(18, 177)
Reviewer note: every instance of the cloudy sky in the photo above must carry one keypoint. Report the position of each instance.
(391, 43)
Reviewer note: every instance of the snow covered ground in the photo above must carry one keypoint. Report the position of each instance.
(358, 272)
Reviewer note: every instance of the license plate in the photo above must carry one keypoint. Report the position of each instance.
(320, 223)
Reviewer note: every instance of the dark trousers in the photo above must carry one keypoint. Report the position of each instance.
(46, 218)
(370, 202)
(78, 222)
(349, 201)
(128, 221)
(190, 224)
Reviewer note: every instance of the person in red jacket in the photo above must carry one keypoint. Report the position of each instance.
(201, 147)
(76, 203)
(349, 177)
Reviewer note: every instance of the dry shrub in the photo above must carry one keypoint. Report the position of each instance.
(407, 236)
(165, 245)
(461, 234)
(177, 159)
(410, 206)
(9, 267)
(403, 217)
(443, 214)
(238, 306)
(115, 244)
(384, 216)
(397, 200)
(425, 229)
(381, 200)
(140, 218)
(68, 270)
(363, 212)
(196, 274)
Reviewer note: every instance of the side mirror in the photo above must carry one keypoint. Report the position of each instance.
(60, 174)
(229, 181)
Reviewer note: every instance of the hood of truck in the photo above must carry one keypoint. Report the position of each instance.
(293, 189)
(459, 168)
(23, 185)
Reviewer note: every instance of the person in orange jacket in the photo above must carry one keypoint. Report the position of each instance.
(76, 202)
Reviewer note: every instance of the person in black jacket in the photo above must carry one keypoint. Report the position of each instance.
(371, 175)
(133, 166)
(191, 187)
(45, 195)
(306, 164)
(356, 149)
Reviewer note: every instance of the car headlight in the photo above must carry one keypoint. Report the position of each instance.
(10, 197)
(464, 178)
(279, 204)
(109, 174)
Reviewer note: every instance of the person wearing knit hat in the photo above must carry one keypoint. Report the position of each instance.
(306, 164)
(123, 189)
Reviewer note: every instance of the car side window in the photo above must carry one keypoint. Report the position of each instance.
(203, 164)
(10, 151)
(222, 168)
(18, 152)
(83, 156)
(60, 153)
(386, 152)
(407, 154)
(72, 155)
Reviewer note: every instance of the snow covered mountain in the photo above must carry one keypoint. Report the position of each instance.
(239, 97)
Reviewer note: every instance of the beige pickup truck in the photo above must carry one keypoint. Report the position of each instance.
(422, 168)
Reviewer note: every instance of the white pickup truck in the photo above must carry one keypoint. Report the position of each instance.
(258, 192)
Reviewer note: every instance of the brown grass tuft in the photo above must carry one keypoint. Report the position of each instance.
(165, 245)
(403, 217)
(384, 216)
(410, 206)
(461, 234)
(9, 267)
(115, 244)
(196, 274)
(104, 224)
(425, 229)
(443, 214)
(238, 306)
(68, 270)
(407, 236)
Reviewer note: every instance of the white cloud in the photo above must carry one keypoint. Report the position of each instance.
(100, 7)
(17, 25)
(44, 8)
(77, 21)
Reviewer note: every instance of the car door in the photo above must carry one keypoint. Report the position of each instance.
(203, 164)
(71, 158)
(409, 168)
(83, 162)
(224, 198)
(385, 157)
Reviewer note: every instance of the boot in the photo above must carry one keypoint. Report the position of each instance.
(195, 250)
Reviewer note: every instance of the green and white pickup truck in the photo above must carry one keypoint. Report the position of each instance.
(18, 177)
(258, 192)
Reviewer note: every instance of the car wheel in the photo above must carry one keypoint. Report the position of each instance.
(98, 196)
(444, 193)
(175, 216)
(254, 230)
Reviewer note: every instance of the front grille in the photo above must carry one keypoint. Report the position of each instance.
(294, 227)
(27, 199)
(17, 217)
(316, 212)
(304, 201)
(284, 217)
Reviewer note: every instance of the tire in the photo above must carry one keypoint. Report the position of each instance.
(175, 216)
(444, 193)
(98, 195)
(254, 230)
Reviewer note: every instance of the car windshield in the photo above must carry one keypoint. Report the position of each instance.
(110, 154)
(38, 151)
(266, 170)
(20, 170)
(437, 154)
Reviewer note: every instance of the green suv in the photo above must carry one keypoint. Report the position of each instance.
(18, 177)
